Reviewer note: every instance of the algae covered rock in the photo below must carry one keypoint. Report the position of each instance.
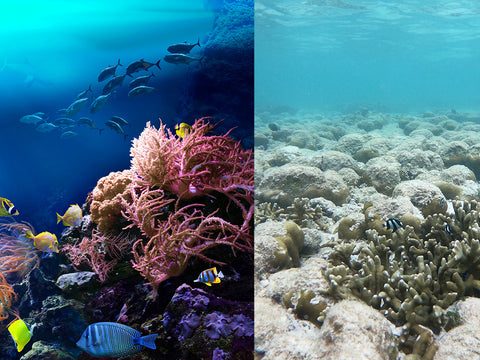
(43, 350)
(355, 331)
(277, 246)
(383, 173)
(422, 194)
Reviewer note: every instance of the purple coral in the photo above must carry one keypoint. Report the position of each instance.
(188, 324)
(217, 325)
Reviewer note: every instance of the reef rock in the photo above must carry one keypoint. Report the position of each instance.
(45, 351)
(460, 343)
(383, 173)
(355, 331)
(75, 282)
(421, 193)
(279, 335)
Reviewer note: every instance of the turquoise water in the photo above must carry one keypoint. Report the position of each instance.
(334, 54)
(51, 51)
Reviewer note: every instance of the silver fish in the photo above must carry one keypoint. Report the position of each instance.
(98, 103)
(113, 83)
(109, 71)
(114, 126)
(46, 127)
(64, 121)
(180, 59)
(140, 90)
(141, 80)
(83, 94)
(182, 48)
(31, 119)
(75, 107)
(68, 134)
(141, 65)
(90, 123)
(119, 120)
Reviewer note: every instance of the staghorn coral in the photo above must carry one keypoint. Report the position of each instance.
(413, 277)
(107, 199)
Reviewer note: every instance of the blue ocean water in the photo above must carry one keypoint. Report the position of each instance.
(389, 55)
(51, 51)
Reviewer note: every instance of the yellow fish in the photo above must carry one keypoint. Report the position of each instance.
(209, 276)
(7, 208)
(20, 333)
(44, 241)
(183, 129)
(72, 217)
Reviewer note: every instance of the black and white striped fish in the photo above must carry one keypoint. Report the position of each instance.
(393, 224)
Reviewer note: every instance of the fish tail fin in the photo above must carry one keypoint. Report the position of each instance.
(100, 131)
(198, 42)
(220, 275)
(201, 59)
(153, 74)
(158, 64)
(59, 218)
(148, 341)
(90, 88)
(118, 64)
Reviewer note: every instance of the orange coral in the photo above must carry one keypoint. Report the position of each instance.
(107, 198)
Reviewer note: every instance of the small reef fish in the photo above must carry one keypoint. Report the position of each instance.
(113, 340)
(46, 127)
(210, 276)
(75, 107)
(7, 208)
(140, 90)
(83, 94)
(31, 119)
(393, 224)
(68, 134)
(109, 71)
(182, 48)
(20, 333)
(141, 80)
(98, 103)
(180, 59)
(113, 83)
(182, 130)
(119, 120)
(141, 65)
(448, 229)
(72, 217)
(44, 241)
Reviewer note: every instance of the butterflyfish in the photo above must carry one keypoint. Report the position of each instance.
(20, 333)
(7, 208)
(182, 129)
(210, 276)
(114, 340)
(72, 217)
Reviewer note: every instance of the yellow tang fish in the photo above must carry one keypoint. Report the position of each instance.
(44, 241)
(210, 276)
(72, 217)
(7, 208)
(20, 333)
(183, 129)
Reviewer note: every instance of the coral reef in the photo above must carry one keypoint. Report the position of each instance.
(413, 277)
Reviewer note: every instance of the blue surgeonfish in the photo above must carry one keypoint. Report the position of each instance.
(393, 224)
(210, 276)
(114, 340)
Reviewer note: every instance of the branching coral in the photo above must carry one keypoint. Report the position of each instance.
(100, 252)
(413, 276)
